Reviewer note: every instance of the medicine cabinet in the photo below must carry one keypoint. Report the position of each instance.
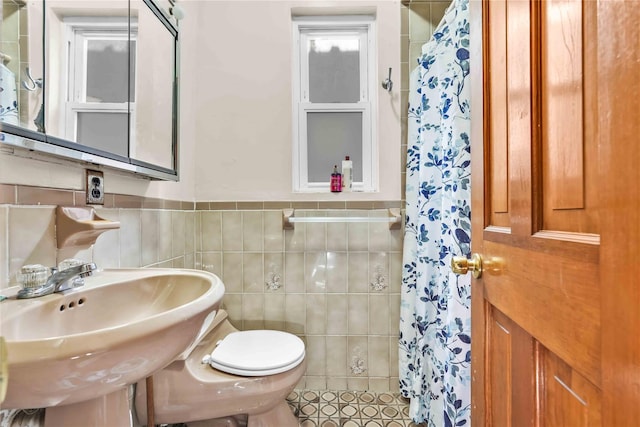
(91, 80)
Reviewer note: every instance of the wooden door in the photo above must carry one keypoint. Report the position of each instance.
(556, 313)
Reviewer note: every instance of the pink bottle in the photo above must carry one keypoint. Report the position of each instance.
(336, 180)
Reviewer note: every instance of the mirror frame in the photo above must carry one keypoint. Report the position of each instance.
(51, 145)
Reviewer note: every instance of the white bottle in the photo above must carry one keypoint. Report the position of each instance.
(347, 174)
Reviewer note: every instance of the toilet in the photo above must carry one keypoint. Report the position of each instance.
(227, 374)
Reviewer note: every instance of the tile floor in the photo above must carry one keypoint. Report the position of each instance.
(323, 408)
(350, 409)
(314, 408)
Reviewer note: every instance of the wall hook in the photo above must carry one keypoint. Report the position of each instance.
(387, 83)
(31, 84)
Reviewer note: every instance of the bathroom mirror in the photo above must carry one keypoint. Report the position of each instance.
(152, 124)
(87, 52)
(22, 69)
(109, 90)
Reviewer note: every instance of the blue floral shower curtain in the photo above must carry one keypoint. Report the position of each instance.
(435, 324)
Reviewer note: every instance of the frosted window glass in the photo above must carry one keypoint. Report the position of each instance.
(334, 69)
(104, 131)
(108, 70)
(331, 137)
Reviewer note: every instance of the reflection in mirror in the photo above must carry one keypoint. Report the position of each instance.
(87, 66)
(152, 125)
(21, 68)
(102, 89)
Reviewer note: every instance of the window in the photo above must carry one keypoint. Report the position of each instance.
(101, 85)
(334, 101)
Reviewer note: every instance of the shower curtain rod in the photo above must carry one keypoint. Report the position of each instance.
(394, 219)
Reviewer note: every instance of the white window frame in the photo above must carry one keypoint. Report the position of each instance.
(78, 31)
(303, 27)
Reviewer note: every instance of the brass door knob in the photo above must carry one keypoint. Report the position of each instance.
(461, 265)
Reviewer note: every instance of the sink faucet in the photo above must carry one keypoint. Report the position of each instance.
(60, 281)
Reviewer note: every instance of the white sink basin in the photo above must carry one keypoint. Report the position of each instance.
(119, 328)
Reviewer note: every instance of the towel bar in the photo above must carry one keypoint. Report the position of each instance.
(288, 219)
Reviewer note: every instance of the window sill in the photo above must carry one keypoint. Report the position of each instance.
(358, 188)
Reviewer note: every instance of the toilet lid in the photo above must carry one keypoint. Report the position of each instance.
(258, 353)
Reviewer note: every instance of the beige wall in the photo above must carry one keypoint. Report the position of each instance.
(245, 100)
(235, 110)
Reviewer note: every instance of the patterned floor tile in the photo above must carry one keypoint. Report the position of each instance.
(328, 408)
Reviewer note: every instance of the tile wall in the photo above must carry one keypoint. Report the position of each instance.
(153, 233)
(336, 285)
(423, 16)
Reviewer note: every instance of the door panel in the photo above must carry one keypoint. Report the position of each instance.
(536, 309)
(553, 298)
(498, 155)
(569, 398)
(512, 372)
(562, 117)
(565, 113)
(518, 108)
(501, 347)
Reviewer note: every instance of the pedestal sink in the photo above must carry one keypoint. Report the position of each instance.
(76, 352)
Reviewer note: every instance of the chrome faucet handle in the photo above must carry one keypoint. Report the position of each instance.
(71, 277)
(88, 269)
(60, 280)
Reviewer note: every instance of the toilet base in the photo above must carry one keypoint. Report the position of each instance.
(187, 391)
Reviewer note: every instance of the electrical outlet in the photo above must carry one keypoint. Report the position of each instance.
(95, 187)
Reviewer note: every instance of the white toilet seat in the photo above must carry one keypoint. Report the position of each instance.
(257, 353)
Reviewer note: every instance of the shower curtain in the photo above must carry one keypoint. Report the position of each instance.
(8, 96)
(435, 323)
